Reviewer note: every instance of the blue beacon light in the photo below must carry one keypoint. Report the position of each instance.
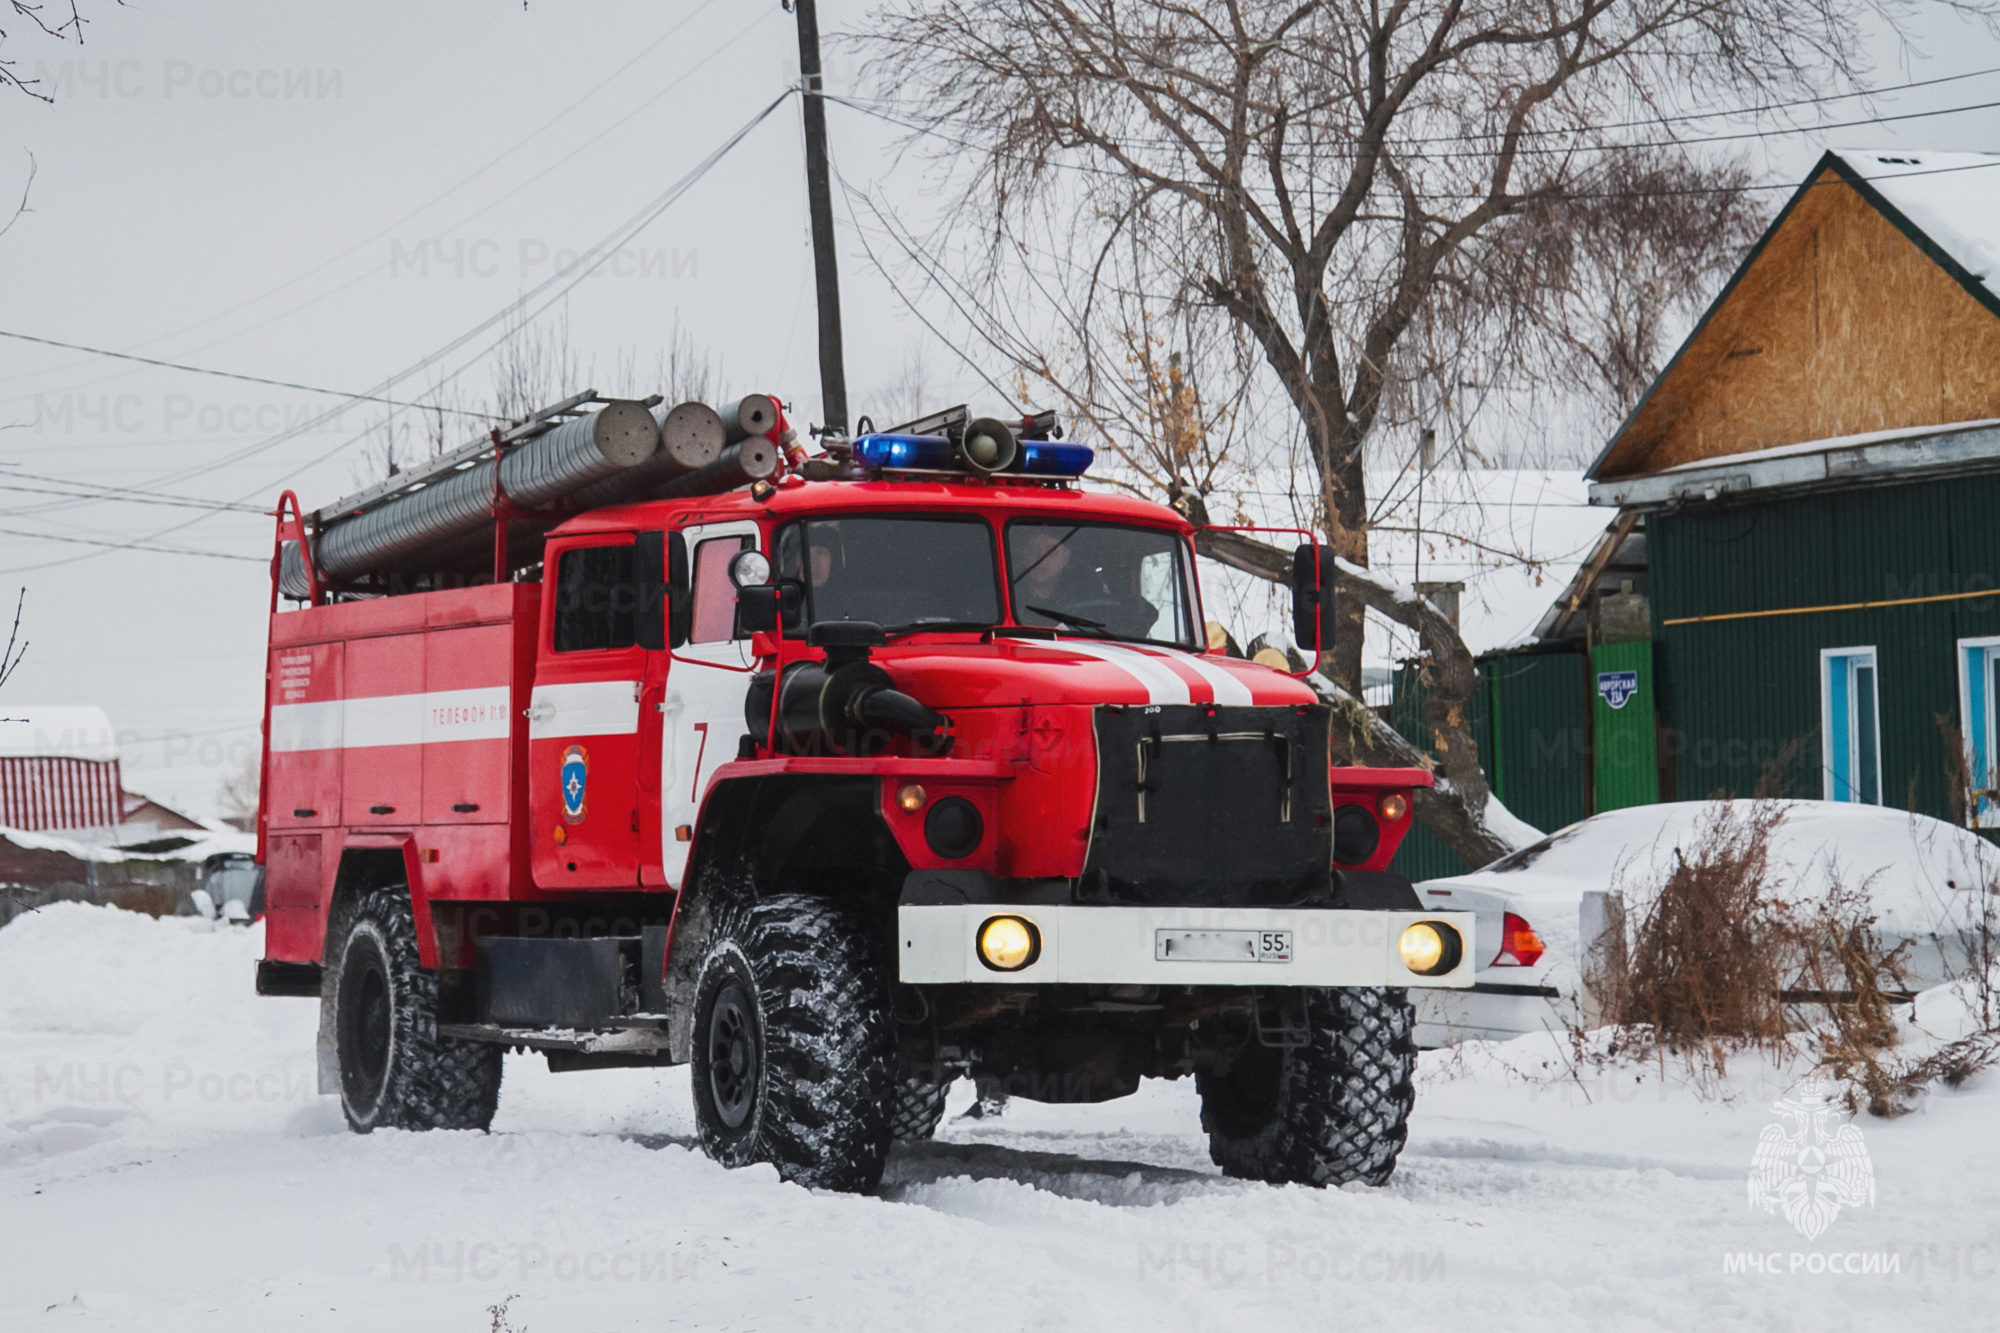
(935, 453)
(1048, 458)
(930, 452)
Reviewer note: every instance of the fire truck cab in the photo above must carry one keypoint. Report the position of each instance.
(908, 762)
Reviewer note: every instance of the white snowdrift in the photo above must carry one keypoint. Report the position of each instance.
(164, 1166)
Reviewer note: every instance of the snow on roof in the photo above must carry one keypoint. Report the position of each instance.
(196, 844)
(1835, 442)
(46, 731)
(1953, 198)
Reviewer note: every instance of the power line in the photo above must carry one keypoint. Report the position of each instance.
(114, 495)
(595, 88)
(555, 287)
(561, 283)
(13, 472)
(248, 379)
(140, 545)
(671, 84)
(1122, 174)
(1655, 121)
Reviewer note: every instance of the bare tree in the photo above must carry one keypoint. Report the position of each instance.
(238, 792)
(533, 366)
(27, 187)
(907, 396)
(1314, 173)
(63, 22)
(686, 371)
(1602, 280)
(11, 655)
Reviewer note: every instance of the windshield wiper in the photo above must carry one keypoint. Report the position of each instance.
(1097, 627)
(1070, 618)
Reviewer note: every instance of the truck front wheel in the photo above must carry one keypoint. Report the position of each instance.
(1331, 1110)
(794, 1044)
(395, 1071)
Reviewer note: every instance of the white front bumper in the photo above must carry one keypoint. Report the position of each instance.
(1121, 946)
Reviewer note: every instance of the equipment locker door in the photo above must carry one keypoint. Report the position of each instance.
(583, 720)
(703, 707)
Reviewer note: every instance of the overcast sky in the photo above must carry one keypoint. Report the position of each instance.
(327, 194)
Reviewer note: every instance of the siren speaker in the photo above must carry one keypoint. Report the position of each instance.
(988, 445)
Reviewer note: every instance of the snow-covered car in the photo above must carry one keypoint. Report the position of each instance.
(1538, 909)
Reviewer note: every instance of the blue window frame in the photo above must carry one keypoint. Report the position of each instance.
(1850, 725)
(1979, 714)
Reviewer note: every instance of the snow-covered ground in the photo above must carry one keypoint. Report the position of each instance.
(165, 1165)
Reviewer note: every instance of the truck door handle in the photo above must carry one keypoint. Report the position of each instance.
(649, 740)
(540, 712)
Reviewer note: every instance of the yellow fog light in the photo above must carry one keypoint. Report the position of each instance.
(1009, 943)
(1430, 948)
(1393, 806)
(910, 797)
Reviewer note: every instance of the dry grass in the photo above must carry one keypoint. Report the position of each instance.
(1719, 964)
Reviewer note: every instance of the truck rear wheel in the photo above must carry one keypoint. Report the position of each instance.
(395, 1071)
(1333, 1110)
(794, 1044)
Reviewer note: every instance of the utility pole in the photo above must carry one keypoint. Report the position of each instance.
(819, 203)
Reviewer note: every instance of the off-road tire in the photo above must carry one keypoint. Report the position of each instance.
(1328, 1112)
(794, 1043)
(395, 1071)
(918, 1110)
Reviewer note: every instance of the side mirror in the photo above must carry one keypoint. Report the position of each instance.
(649, 586)
(757, 609)
(1313, 576)
(761, 609)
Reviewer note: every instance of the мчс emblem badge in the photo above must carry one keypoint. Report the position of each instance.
(575, 779)
(1809, 1168)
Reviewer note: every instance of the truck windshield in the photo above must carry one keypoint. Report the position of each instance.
(1100, 580)
(902, 573)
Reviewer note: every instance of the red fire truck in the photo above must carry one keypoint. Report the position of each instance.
(837, 778)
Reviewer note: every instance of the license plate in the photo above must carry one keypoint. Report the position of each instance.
(1222, 946)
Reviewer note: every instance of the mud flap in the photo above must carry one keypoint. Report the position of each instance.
(328, 1054)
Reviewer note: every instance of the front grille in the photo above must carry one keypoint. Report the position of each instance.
(1208, 805)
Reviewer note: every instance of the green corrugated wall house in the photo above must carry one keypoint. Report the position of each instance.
(1799, 594)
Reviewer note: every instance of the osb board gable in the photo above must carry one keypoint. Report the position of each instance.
(1838, 323)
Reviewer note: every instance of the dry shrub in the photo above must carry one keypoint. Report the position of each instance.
(1700, 974)
(1839, 967)
(1951, 1064)
(1719, 963)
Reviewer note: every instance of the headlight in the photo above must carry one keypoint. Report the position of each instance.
(1430, 948)
(1009, 943)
